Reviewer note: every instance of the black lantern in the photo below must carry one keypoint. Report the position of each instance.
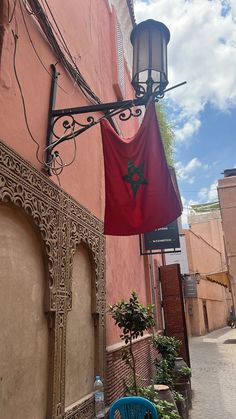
(149, 40)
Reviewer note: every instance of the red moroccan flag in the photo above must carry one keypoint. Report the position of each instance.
(140, 195)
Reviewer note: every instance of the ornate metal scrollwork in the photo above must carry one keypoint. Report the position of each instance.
(69, 123)
(72, 127)
(140, 91)
(128, 113)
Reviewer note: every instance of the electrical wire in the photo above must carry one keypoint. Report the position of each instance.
(58, 164)
(36, 52)
(27, 8)
(55, 156)
(59, 31)
(63, 42)
(72, 69)
(34, 8)
(15, 36)
(10, 18)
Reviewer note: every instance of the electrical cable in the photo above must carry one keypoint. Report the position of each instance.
(63, 42)
(71, 68)
(36, 52)
(34, 8)
(58, 164)
(15, 36)
(27, 9)
(50, 165)
(59, 31)
(13, 11)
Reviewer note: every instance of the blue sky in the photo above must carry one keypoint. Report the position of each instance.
(202, 51)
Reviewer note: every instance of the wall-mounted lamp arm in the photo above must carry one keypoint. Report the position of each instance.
(66, 117)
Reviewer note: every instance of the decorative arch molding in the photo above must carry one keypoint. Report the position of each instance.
(63, 224)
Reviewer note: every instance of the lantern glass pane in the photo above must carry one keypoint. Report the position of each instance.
(164, 55)
(156, 76)
(143, 76)
(141, 52)
(156, 50)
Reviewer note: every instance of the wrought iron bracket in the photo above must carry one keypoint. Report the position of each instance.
(65, 118)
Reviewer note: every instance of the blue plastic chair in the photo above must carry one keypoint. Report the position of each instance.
(132, 408)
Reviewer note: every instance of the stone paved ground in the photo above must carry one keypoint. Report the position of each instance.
(214, 375)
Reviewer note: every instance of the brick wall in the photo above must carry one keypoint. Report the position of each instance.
(118, 373)
(173, 305)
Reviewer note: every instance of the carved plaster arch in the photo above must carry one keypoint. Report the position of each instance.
(62, 223)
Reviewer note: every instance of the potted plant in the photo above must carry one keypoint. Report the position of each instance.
(181, 377)
(166, 409)
(133, 318)
(180, 403)
(168, 347)
(184, 374)
(173, 371)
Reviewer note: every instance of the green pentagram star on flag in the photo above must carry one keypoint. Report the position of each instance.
(135, 177)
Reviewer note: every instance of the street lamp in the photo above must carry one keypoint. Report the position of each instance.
(149, 40)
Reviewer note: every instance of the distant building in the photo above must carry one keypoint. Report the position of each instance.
(179, 257)
(227, 199)
(206, 287)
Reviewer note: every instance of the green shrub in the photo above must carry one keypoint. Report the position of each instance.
(177, 396)
(167, 346)
(185, 372)
(166, 410)
(133, 318)
(164, 373)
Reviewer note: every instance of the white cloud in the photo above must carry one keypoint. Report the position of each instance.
(184, 171)
(202, 50)
(202, 194)
(188, 129)
(209, 194)
(186, 210)
(184, 216)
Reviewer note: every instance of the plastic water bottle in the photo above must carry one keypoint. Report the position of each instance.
(99, 398)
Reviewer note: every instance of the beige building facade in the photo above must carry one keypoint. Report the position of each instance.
(227, 199)
(207, 293)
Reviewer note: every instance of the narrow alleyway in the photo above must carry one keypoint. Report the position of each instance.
(213, 361)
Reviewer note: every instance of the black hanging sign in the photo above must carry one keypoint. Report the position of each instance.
(163, 238)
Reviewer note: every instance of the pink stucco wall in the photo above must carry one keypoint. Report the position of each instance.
(89, 38)
(209, 227)
(87, 28)
(202, 257)
(227, 198)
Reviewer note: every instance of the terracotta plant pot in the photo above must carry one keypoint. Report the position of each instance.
(178, 376)
(182, 409)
